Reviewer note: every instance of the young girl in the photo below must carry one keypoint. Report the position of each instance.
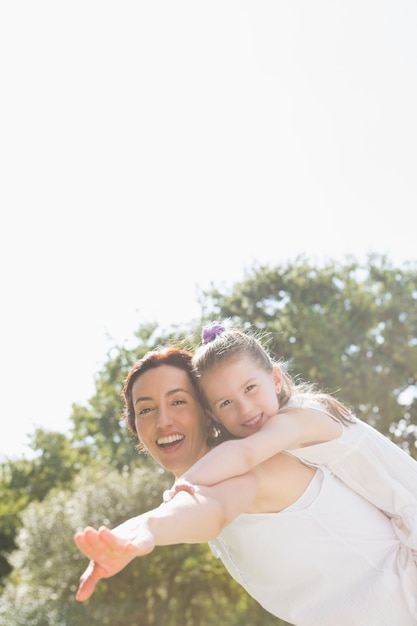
(248, 394)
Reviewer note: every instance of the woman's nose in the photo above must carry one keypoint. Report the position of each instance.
(164, 418)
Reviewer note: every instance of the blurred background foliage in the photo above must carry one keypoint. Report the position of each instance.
(350, 327)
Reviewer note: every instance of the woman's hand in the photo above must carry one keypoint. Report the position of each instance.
(108, 554)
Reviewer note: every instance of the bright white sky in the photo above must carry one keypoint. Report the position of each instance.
(148, 149)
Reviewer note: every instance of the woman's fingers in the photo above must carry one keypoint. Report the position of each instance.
(108, 555)
(88, 581)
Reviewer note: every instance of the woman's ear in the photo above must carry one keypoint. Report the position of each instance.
(277, 376)
(139, 447)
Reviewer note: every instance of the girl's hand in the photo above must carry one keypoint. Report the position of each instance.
(179, 485)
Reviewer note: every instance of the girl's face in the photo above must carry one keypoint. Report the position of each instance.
(169, 419)
(242, 395)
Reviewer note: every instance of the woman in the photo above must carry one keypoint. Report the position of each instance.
(304, 545)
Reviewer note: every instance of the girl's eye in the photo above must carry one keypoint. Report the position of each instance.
(250, 387)
(225, 403)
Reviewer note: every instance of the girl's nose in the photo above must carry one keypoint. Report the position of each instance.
(244, 407)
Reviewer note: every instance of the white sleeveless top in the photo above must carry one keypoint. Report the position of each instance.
(330, 559)
(373, 466)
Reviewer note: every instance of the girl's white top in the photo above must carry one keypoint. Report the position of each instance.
(373, 466)
(332, 557)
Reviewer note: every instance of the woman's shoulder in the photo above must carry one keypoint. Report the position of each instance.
(280, 480)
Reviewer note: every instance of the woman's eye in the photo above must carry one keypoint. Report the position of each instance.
(250, 387)
(144, 411)
(225, 403)
(178, 402)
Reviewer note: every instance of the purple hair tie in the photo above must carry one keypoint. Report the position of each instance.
(210, 331)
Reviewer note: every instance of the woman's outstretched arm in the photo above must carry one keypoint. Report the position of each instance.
(185, 519)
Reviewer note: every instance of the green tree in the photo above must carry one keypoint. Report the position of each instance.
(97, 434)
(174, 585)
(351, 328)
(29, 480)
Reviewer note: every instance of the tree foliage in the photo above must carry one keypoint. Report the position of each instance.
(349, 327)
(174, 585)
(23, 481)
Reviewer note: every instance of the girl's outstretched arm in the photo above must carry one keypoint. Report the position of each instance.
(289, 429)
(185, 519)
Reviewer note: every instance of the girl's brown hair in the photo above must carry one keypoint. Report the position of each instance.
(225, 344)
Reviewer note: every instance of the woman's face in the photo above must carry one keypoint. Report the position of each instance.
(169, 419)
